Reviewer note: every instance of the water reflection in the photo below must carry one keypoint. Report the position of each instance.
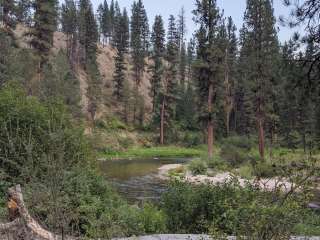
(137, 179)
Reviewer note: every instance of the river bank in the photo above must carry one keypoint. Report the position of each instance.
(153, 152)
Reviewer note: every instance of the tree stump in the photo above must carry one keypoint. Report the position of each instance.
(22, 225)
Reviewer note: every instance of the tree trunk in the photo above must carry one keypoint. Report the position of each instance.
(162, 121)
(261, 137)
(228, 104)
(210, 123)
(23, 226)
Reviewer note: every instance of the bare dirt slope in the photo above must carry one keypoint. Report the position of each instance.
(105, 58)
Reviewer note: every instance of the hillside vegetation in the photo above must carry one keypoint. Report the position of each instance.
(80, 85)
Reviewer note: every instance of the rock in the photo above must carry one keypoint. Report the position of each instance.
(315, 206)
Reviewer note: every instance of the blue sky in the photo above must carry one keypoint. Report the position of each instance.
(234, 8)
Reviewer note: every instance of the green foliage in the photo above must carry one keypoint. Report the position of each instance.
(191, 139)
(5, 56)
(230, 210)
(153, 220)
(309, 224)
(114, 123)
(246, 171)
(170, 151)
(265, 170)
(61, 83)
(235, 150)
(198, 167)
(49, 156)
(45, 23)
(139, 39)
(217, 163)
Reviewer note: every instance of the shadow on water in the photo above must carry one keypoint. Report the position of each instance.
(138, 180)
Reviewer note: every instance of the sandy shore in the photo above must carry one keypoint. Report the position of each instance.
(165, 169)
(225, 177)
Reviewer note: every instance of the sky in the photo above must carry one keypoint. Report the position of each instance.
(233, 8)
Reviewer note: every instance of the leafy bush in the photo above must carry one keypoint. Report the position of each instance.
(197, 167)
(230, 210)
(246, 171)
(192, 139)
(235, 150)
(265, 170)
(309, 224)
(50, 157)
(153, 220)
(114, 123)
(217, 163)
(125, 142)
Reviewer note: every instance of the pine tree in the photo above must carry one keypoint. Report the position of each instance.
(111, 19)
(190, 59)
(121, 43)
(158, 49)
(103, 12)
(244, 109)
(69, 27)
(6, 38)
(88, 32)
(290, 72)
(170, 83)
(8, 15)
(116, 20)
(139, 39)
(209, 59)
(306, 15)
(263, 49)
(182, 27)
(45, 24)
(88, 38)
(229, 71)
(183, 66)
(23, 11)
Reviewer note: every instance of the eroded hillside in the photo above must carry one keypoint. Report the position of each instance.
(105, 59)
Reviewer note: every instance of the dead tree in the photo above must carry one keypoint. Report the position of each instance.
(22, 225)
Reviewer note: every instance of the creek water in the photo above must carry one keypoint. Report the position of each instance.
(138, 180)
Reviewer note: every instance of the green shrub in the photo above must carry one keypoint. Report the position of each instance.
(246, 171)
(192, 139)
(153, 220)
(125, 142)
(217, 163)
(235, 150)
(198, 167)
(265, 170)
(230, 210)
(115, 123)
(309, 224)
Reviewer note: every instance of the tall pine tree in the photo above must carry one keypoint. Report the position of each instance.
(158, 51)
(262, 43)
(209, 60)
(45, 24)
(121, 43)
(88, 38)
(139, 39)
(170, 83)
